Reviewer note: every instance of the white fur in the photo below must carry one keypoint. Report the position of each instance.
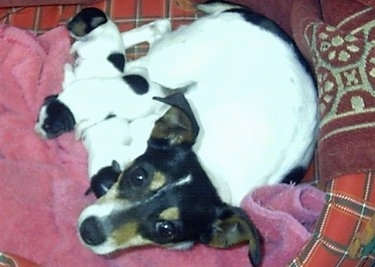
(93, 49)
(255, 103)
(107, 141)
(92, 100)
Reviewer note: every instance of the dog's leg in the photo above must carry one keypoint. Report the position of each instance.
(147, 33)
(69, 76)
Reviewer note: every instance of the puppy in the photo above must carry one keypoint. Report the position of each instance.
(87, 102)
(255, 99)
(169, 167)
(98, 45)
(112, 134)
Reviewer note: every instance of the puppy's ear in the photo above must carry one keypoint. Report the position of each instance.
(178, 125)
(49, 99)
(232, 226)
(105, 178)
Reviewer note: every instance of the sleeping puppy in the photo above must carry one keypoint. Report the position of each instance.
(107, 146)
(255, 99)
(110, 135)
(155, 198)
(98, 45)
(87, 102)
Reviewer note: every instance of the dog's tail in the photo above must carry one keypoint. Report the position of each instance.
(217, 6)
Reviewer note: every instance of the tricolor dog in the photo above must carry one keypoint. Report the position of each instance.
(255, 102)
(98, 45)
(156, 196)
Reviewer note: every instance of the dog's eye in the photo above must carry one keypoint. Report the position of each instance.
(165, 229)
(138, 177)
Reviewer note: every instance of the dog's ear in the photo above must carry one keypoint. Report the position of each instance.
(105, 178)
(178, 125)
(232, 226)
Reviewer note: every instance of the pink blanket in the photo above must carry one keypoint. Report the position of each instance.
(43, 182)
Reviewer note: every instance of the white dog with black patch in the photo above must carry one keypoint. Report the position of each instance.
(252, 95)
(246, 81)
(98, 46)
(250, 88)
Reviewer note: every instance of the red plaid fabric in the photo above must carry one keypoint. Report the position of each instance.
(350, 205)
(126, 14)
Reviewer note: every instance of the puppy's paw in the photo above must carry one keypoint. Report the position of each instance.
(75, 47)
(80, 128)
(159, 28)
(68, 75)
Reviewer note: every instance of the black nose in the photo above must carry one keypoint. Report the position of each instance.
(91, 231)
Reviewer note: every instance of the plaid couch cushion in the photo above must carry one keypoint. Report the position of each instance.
(126, 14)
(349, 208)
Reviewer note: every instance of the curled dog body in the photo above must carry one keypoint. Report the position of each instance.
(256, 103)
(255, 100)
(250, 88)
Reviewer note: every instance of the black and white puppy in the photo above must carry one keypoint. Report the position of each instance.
(105, 142)
(255, 99)
(166, 197)
(87, 102)
(97, 110)
(98, 46)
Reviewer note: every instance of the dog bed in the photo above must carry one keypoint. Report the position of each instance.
(43, 182)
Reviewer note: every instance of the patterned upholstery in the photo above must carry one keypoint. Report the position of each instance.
(343, 57)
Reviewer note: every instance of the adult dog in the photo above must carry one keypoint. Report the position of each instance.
(255, 101)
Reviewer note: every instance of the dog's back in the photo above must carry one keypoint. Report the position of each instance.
(252, 93)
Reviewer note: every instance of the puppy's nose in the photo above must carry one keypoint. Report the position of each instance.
(92, 232)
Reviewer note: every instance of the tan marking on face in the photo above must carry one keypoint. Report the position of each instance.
(174, 126)
(158, 181)
(126, 232)
(170, 214)
(79, 28)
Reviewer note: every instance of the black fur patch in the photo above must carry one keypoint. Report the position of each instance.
(295, 175)
(102, 181)
(268, 25)
(138, 83)
(59, 118)
(117, 60)
(90, 17)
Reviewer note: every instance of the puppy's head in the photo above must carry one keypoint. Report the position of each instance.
(102, 181)
(86, 21)
(165, 198)
(54, 118)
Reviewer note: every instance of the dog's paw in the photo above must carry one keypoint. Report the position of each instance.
(75, 47)
(80, 128)
(159, 28)
(68, 75)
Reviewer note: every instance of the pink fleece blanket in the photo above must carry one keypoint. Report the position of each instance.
(43, 182)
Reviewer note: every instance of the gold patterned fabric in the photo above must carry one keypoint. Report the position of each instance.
(344, 62)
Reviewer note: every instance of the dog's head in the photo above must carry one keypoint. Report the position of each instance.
(54, 118)
(165, 197)
(102, 181)
(87, 20)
